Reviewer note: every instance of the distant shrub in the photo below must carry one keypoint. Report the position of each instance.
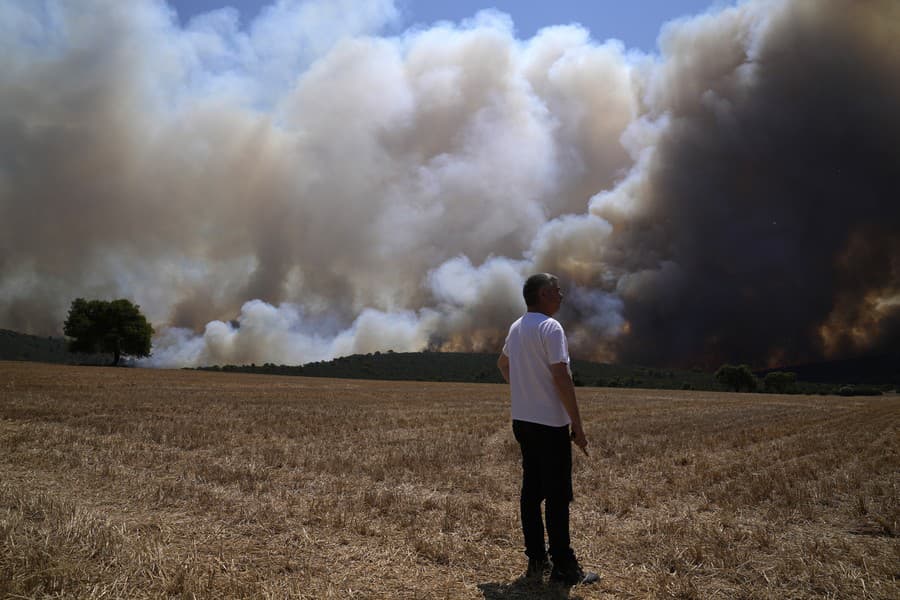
(736, 377)
(780, 382)
(868, 391)
(862, 390)
(686, 386)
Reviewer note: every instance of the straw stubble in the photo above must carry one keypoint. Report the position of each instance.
(144, 483)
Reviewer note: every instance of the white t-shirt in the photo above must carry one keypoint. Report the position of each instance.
(535, 342)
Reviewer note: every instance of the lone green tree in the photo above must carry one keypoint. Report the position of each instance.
(736, 377)
(116, 327)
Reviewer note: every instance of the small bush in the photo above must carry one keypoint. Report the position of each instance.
(736, 377)
(849, 390)
(868, 391)
(780, 382)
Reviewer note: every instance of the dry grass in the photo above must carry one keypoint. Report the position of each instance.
(146, 484)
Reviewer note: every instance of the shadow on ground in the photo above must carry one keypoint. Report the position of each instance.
(523, 589)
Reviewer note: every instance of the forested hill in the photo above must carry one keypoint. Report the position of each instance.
(472, 367)
(870, 370)
(475, 367)
(21, 346)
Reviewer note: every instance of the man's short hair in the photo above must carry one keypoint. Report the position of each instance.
(534, 284)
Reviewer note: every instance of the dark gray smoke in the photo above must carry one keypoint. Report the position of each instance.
(307, 188)
(771, 188)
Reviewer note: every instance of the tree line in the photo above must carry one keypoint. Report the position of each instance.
(118, 327)
(740, 378)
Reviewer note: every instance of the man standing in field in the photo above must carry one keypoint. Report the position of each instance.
(535, 362)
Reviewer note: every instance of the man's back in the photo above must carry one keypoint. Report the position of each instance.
(535, 361)
(535, 342)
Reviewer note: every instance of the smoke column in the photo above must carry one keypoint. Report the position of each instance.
(307, 186)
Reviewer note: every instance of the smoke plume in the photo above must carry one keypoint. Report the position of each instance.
(310, 186)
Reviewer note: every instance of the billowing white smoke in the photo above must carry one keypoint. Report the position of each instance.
(363, 192)
(264, 330)
(466, 299)
(308, 186)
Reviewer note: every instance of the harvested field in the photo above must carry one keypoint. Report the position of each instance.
(128, 483)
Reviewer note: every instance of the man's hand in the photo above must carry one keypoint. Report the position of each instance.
(503, 365)
(580, 439)
(563, 382)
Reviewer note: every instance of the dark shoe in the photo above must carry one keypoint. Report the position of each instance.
(537, 567)
(572, 574)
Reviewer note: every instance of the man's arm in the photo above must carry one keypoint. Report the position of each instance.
(566, 390)
(503, 365)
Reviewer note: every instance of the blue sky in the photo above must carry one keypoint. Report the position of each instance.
(635, 22)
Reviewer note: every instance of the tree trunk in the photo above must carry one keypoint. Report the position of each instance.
(116, 354)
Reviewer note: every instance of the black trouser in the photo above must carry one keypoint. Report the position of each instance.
(546, 475)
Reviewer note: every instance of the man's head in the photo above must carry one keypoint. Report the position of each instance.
(542, 294)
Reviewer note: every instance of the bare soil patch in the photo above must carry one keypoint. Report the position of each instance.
(147, 484)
